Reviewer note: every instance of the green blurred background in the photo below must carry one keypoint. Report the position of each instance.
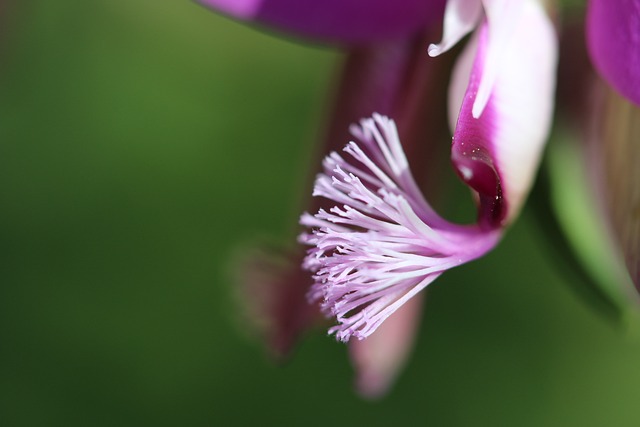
(140, 143)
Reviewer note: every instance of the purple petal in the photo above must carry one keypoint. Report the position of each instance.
(497, 146)
(613, 37)
(346, 21)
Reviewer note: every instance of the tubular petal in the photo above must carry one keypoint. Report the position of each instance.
(613, 38)
(344, 21)
(497, 153)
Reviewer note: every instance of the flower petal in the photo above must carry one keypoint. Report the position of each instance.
(378, 359)
(346, 21)
(460, 18)
(613, 36)
(496, 152)
(613, 164)
(502, 17)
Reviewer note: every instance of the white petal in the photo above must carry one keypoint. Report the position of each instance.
(524, 96)
(503, 17)
(460, 18)
(460, 79)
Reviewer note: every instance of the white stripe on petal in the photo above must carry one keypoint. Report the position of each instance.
(503, 16)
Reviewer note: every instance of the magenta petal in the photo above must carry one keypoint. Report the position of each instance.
(346, 21)
(499, 136)
(472, 150)
(613, 36)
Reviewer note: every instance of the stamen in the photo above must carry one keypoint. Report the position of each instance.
(383, 242)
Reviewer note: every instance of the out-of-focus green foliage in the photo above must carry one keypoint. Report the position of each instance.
(575, 205)
(140, 142)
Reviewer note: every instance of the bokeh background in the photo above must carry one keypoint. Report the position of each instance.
(141, 144)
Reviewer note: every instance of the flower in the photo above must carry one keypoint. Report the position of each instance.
(375, 242)
(386, 243)
(362, 277)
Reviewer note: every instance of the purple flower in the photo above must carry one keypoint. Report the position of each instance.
(375, 242)
(383, 243)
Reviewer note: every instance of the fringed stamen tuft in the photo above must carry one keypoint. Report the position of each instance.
(382, 243)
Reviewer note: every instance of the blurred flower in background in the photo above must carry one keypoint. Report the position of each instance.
(593, 185)
(613, 39)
